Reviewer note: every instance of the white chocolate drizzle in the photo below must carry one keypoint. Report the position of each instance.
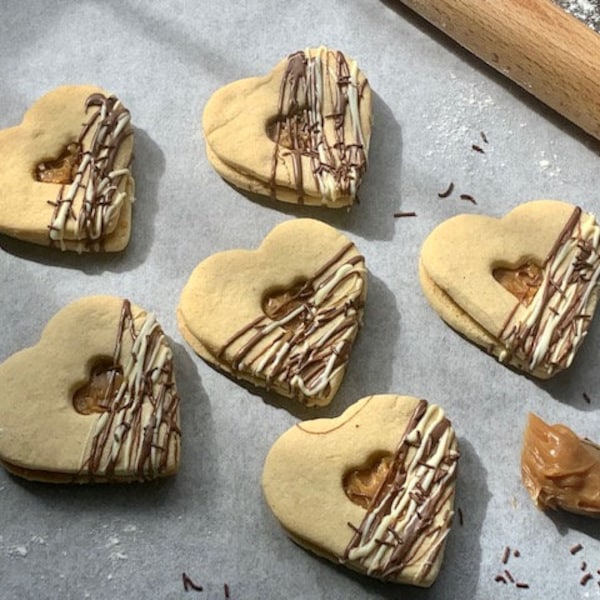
(409, 518)
(337, 151)
(546, 334)
(138, 436)
(303, 350)
(88, 208)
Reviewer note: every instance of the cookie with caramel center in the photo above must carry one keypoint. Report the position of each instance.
(523, 287)
(65, 177)
(283, 316)
(94, 400)
(372, 489)
(299, 134)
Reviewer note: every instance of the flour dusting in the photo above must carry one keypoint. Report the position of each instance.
(587, 11)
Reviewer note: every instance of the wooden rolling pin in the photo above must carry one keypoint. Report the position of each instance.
(535, 43)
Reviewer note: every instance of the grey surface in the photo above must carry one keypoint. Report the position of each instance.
(432, 101)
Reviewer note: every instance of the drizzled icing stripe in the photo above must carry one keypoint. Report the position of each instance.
(547, 333)
(85, 209)
(139, 432)
(402, 527)
(303, 350)
(338, 159)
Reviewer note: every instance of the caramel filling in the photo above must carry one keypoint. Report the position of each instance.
(281, 303)
(95, 396)
(560, 469)
(292, 131)
(61, 170)
(361, 485)
(522, 282)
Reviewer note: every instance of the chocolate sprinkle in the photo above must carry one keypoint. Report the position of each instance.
(520, 584)
(468, 197)
(587, 398)
(460, 516)
(483, 137)
(506, 555)
(405, 214)
(188, 584)
(447, 191)
(586, 578)
(478, 149)
(499, 578)
(576, 548)
(226, 590)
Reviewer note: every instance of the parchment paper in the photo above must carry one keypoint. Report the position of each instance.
(432, 102)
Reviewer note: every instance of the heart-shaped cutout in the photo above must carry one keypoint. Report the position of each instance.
(523, 287)
(372, 489)
(283, 316)
(94, 400)
(65, 178)
(299, 134)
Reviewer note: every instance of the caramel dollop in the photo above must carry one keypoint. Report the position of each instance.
(95, 395)
(560, 469)
(361, 485)
(280, 303)
(62, 169)
(522, 282)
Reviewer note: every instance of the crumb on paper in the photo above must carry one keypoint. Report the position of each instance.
(112, 542)
(18, 551)
(38, 539)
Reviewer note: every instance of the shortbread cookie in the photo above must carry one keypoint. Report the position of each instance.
(372, 489)
(94, 400)
(523, 287)
(64, 174)
(283, 316)
(299, 134)
(560, 469)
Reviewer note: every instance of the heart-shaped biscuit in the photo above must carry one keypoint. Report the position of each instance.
(523, 287)
(64, 174)
(372, 489)
(299, 134)
(94, 400)
(283, 316)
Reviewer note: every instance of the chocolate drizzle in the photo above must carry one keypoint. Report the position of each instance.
(336, 151)
(86, 210)
(402, 527)
(138, 434)
(301, 352)
(546, 333)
